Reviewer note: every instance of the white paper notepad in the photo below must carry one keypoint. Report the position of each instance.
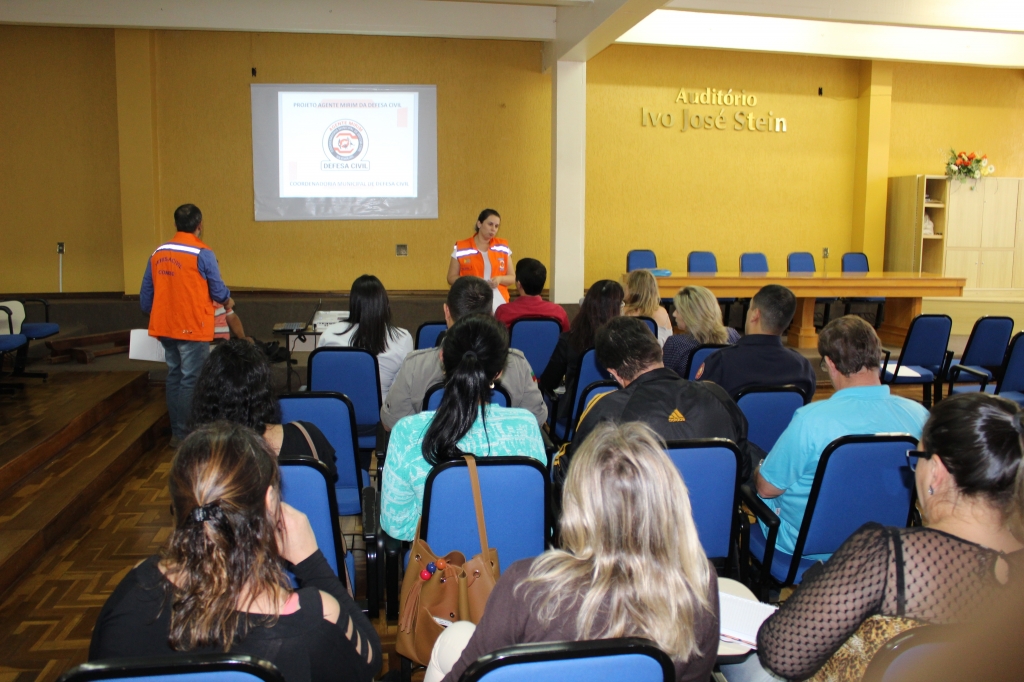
(741, 618)
(904, 371)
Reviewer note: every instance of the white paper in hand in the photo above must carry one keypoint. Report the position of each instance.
(142, 346)
(497, 299)
(741, 618)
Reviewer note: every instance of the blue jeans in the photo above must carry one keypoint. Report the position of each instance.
(184, 361)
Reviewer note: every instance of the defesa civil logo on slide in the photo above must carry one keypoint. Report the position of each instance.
(345, 145)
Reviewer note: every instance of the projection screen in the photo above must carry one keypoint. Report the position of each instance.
(344, 152)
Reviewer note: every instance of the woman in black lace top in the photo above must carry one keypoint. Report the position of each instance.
(970, 487)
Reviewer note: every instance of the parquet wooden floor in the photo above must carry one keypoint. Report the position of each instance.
(46, 620)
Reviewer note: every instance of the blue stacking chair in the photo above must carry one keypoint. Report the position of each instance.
(924, 352)
(858, 262)
(768, 410)
(10, 343)
(32, 331)
(432, 398)
(602, 660)
(353, 372)
(177, 668)
(983, 354)
(803, 262)
(589, 372)
(698, 356)
(651, 324)
(516, 499)
(710, 467)
(536, 338)
(900, 658)
(305, 485)
(586, 395)
(754, 263)
(426, 335)
(705, 263)
(334, 415)
(858, 479)
(1011, 375)
(641, 259)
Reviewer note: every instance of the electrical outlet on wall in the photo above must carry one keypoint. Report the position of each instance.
(60, 247)
(401, 249)
(824, 252)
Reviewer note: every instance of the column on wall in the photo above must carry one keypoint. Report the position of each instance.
(568, 179)
(134, 52)
(872, 167)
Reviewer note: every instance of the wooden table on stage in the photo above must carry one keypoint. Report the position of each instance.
(902, 291)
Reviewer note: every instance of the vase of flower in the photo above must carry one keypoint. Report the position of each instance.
(963, 167)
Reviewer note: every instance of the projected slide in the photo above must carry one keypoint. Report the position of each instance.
(350, 144)
(344, 152)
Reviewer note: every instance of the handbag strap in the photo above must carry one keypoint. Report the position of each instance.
(478, 503)
(309, 441)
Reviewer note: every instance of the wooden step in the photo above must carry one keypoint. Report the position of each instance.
(38, 422)
(51, 499)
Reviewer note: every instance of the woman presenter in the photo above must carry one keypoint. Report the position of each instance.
(484, 255)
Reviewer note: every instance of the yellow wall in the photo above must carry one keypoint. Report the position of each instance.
(58, 160)
(493, 133)
(935, 107)
(720, 190)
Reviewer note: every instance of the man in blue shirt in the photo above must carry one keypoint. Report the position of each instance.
(852, 352)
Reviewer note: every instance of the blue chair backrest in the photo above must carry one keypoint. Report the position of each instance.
(515, 498)
(651, 324)
(1013, 371)
(334, 416)
(800, 261)
(181, 668)
(710, 469)
(590, 372)
(638, 259)
(602, 660)
(701, 261)
(426, 335)
(698, 357)
(305, 486)
(986, 346)
(499, 397)
(536, 339)
(926, 340)
(859, 479)
(768, 410)
(586, 395)
(855, 262)
(352, 371)
(753, 262)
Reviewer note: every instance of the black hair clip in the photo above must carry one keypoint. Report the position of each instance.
(204, 513)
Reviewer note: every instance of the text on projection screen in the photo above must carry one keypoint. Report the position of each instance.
(348, 144)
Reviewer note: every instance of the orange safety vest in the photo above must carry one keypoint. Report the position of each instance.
(182, 307)
(471, 261)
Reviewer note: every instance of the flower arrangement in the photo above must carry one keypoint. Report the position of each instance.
(964, 166)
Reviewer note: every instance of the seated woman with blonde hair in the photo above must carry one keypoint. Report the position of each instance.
(630, 565)
(699, 317)
(219, 584)
(643, 300)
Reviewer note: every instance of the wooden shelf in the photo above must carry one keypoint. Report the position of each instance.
(931, 236)
(934, 204)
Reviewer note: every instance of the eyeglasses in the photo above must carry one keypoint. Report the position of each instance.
(914, 455)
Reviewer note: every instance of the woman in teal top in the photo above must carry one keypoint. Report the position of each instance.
(473, 354)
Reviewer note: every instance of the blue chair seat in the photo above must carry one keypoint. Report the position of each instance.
(965, 378)
(957, 390)
(927, 376)
(780, 561)
(39, 330)
(9, 342)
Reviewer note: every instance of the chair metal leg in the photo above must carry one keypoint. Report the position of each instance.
(927, 389)
(21, 361)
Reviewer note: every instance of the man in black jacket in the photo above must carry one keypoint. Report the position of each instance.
(759, 358)
(675, 408)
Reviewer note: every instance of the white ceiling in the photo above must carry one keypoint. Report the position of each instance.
(984, 32)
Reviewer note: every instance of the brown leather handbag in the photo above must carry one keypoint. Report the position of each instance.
(455, 590)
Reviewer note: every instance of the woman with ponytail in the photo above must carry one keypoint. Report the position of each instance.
(473, 353)
(219, 584)
(966, 559)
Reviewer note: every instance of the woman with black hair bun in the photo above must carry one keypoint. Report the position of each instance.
(235, 384)
(473, 354)
(369, 327)
(967, 558)
(219, 583)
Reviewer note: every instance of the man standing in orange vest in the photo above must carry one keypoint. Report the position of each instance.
(181, 290)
